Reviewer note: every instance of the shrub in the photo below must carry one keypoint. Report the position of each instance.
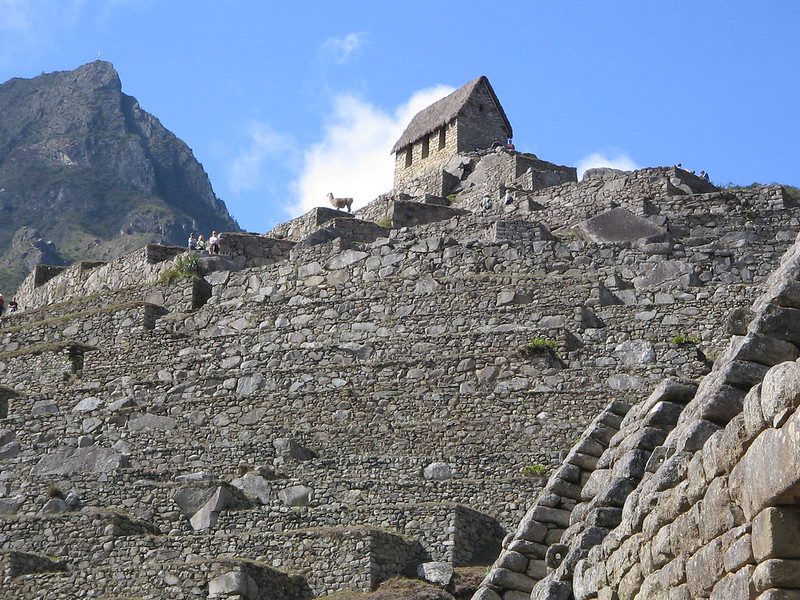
(542, 343)
(54, 492)
(683, 340)
(185, 267)
(534, 470)
(385, 222)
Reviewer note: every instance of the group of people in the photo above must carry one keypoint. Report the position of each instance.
(199, 243)
(10, 308)
(509, 145)
(703, 174)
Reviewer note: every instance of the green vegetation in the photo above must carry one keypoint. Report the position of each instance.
(185, 267)
(385, 222)
(684, 340)
(54, 492)
(534, 470)
(542, 343)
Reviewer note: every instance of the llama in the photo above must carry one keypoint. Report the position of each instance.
(339, 203)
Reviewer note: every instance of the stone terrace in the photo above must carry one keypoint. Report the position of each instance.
(306, 417)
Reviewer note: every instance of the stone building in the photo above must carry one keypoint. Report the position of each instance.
(469, 119)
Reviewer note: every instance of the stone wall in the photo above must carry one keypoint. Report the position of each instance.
(248, 250)
(416, 383)
(299, 228)
(480, 123)
(425, 174)
(710, 513)
(348, 231)
(143, 265)
(411, 214)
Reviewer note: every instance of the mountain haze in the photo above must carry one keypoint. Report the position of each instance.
(85, 173)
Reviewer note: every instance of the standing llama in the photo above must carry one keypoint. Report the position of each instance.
(340, 203)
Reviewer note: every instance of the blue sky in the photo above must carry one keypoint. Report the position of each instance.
(284, 101)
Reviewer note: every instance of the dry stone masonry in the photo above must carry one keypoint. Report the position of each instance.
(589, 387)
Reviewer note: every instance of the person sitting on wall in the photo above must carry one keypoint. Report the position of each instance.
(510, 145)
(201, 243)
(13, 306)
(192, 242)
(213, 243)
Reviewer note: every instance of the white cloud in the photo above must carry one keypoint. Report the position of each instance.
(245, 171)
(339, 49)
(352, 159)
(618, 160)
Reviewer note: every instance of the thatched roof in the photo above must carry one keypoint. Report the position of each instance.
(445, 110)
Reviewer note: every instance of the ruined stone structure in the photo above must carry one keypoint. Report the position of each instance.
(590, 387)
(439, 147)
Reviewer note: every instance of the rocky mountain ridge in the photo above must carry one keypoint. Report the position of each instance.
(86, 173)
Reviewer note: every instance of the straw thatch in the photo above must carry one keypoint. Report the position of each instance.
(445, 110)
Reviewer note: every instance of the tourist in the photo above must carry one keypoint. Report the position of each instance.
(705, 176)
(201, 243)
(2, 305)
(13, 306)
(213, 243)
(486, 203)
(508, 198)
(192, 241)
(510, 145)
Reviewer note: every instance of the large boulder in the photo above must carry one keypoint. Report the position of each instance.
(91, 459)
(234, 583)
(193, 498)
(635, 352)
(249, 384)
(667, 274)
(439, 573)
(152, 422)
(10, 506)
(88, 404)
(206, 517)
(437, 471)
(288, 449)
(615, 226)
(295, 495)
(254, 487)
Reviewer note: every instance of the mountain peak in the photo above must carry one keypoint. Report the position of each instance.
(98, 74)
(88, 168)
